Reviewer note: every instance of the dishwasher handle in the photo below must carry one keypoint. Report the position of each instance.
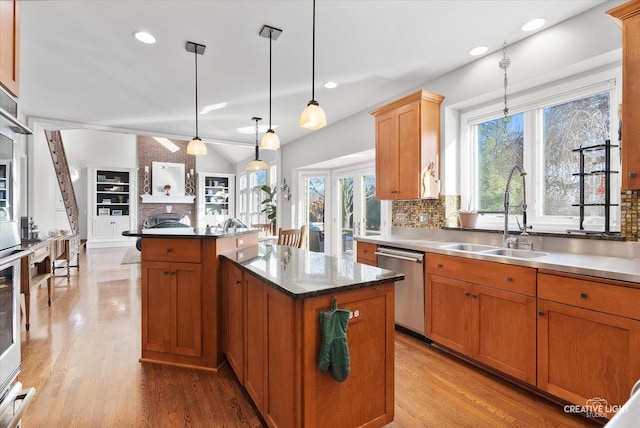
(417, 259)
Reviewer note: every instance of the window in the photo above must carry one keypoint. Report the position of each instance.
(251, 194)
(541, 135)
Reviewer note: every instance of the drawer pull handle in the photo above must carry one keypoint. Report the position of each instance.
(439, 265)
(475, 296)
(238, 282)
(541, 313)
(466, 293)
(584, 295)
(166, 272)
(633, 174)
(509, 279)
(169, 250)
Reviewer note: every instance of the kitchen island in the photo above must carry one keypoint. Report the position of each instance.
(181, 309)
(272, 300)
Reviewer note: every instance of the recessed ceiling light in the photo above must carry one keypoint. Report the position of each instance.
(330, 85)
(478, 50)
(212, 107)
(144, 37)
(534, 24)
(252, 129)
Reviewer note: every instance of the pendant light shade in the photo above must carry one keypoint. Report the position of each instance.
(270, 140)
(313, 116)
(196, 146)
(257, 164)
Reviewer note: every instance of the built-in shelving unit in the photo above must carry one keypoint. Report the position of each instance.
(595, 182)
(111, 212)
(215, 198)
(4, 190)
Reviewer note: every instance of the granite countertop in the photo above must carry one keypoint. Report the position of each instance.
(617, 268)
(301, 274)
(188, 232)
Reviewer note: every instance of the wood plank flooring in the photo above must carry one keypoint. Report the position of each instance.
(81, 354)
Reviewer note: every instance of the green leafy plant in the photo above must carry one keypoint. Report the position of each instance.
(269, 203)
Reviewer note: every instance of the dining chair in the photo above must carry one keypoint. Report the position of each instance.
(292, 237)
(264, 229)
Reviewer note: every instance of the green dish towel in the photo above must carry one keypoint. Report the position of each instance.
(334, 352)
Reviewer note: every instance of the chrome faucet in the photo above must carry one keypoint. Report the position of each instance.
(514, 241)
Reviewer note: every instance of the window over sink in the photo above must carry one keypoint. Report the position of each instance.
(544, 128)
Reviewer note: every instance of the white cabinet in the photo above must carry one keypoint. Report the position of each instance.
(216, 198)
(111, 206)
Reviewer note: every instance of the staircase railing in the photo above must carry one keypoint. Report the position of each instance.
(61, 166)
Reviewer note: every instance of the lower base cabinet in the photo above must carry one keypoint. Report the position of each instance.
(282, 339)
(491, 325)
(588, 341)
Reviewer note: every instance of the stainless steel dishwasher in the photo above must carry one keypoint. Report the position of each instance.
(409, 295)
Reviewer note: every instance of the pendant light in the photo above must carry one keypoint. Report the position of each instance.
(257, 164)
(313, 116)
(270, 140)
(196, 146)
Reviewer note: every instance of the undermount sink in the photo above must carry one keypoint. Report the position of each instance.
(469, 247)
(520, 254)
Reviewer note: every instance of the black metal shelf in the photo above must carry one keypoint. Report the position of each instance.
(606, 173)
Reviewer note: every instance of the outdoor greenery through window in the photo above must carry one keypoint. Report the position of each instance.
(542, 138)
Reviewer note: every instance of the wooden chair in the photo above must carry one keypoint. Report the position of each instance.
(292, 237)
(264, 229)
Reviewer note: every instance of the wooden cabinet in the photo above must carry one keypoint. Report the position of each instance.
(10, 46)
(628, 15)
(588, 338)
(485, 310)
(408, 146)
(366, 253)
(235, 291)
(282, 342)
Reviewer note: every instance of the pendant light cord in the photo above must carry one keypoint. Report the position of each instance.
(313, 54)
(270, 43)
(257, 149)
(196, 55)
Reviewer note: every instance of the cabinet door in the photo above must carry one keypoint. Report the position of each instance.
(448, 312)
(386, 156)
(156, 306)
(186, 307)
(255, 334)
(585, 355)
(104, 228)
(504, 331)
(10, 46)
(121, 224)
(282, 356)
(235, 320)
(409, 151)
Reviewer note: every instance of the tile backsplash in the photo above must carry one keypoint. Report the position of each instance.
(442, 212)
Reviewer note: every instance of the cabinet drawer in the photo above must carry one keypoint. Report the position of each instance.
(40, 253)
(171, 250)
(518, 279)
(590, 294)
(367, 253)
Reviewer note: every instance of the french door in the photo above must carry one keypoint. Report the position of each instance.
(358, 212)
(315, 209)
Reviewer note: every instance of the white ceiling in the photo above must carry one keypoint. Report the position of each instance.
(81, 64)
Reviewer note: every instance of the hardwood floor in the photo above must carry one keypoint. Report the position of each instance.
(81, 354)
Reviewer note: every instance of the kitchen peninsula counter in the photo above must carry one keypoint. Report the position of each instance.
(273, 297)
(181, 308)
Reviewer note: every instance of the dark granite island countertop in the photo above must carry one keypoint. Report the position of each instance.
(188, 232)
(301, 274)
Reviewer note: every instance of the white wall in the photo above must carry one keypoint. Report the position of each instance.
(585, 42)
(214, 162)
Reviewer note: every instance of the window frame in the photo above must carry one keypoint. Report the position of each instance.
(531, 104)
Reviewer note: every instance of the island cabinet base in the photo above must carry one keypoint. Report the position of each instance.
(276, 355)
(180, 297)
(366, 397)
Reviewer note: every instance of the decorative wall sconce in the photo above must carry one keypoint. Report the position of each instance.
(286, 191)
(146, 185)
(190, 183)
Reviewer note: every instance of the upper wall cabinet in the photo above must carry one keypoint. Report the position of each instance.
(408, 147)
(628, 15)
(10, 46)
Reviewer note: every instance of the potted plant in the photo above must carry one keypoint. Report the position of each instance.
(269, 206)
(468, 217)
